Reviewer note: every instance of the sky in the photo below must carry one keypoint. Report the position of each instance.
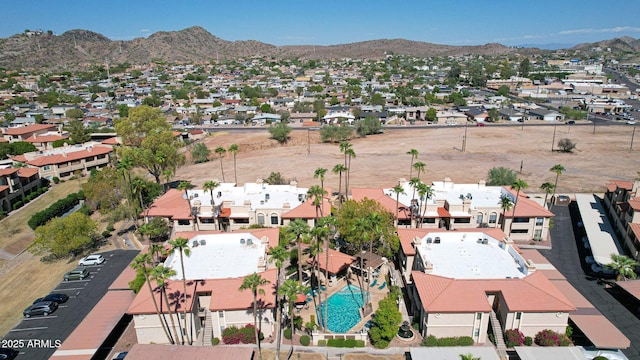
(330, 22)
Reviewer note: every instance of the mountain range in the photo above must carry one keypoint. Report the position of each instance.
(195, 44)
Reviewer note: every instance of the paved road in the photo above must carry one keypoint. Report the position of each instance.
(565, 256)
(38, 337)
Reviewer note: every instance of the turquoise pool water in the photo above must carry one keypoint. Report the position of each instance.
(344, 309)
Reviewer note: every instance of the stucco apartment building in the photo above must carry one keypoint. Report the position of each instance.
(622, 204)
(215, 269)
(458, 281)
(453, 206)
(15, 183)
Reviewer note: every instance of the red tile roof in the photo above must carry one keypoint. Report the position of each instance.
(337, 261)
(534, 293)
(226, 293)
(442, 212)
(378, 195)
(172, 205)
(44, 138)
(111, 141)
(71, 156)
(8, 171)
(612, 185)
(28, 129)
(635, 228)
(307, 210)
(27, 172)
(143, 303)
(526, 207)
(635, 203)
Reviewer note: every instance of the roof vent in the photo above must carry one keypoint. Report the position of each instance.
(429, 240)
(242, 241)
(203, 242)
(249, 241)
(266, 197)
(436, 240)
(195, 243)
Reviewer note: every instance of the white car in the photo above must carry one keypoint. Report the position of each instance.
(631, 122)
(93, 259)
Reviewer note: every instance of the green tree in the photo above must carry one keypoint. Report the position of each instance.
(558, 169)
(278, 255)
(420, 168)
(296, 230)
(78, 133)
(505, 204)
(140, 264)
(61, 237)
(156, 229)
(351, 232)
(220, 151)
(123, 110)
(74, 113)
(290, 290)
(503, 90)
(369, 126)
(319, 174)
(275, 178)
(181, 245)
(148, 139)
(426, 192)
(398, 189)
(505, 70)
(501, 176)
(431, 115)
(233, 149)
(385, 322)
(255, 283)
(524, 68)
(200, 153)
(280, 132)
(186, 186)
(624, 266)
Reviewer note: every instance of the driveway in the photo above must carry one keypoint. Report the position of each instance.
(38, 337)
(566, 256)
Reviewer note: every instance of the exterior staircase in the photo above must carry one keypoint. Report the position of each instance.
(499, 336)
(208, 329)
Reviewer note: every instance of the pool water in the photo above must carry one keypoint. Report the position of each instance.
(344, 309)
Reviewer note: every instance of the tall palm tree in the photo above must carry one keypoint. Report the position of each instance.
(330, 223)
(233, 148)
(182, 246)
(210, 185)
(298, 228)
(156, 251)
(319, 174)
(220, 151)
(414, 182)
(347, 149)
(186, 185)
(362, 226)
(548, 189)
(398, 189)
(426, 192)
(140, 263)
(253, 282)
(278, 255)
(374, 219)
(505, 204)
(315, 249)
(420, 167)
(351, 154)
(317, 193)
(290, 290)
(168, 175)
(161, 274)
(414, 155)
(625, 267)
(339, 169)
(558, 169)
(518, 185)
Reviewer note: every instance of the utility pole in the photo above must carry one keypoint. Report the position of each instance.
(633, 135)
(464, 138)
(554, 137)
(308, 141)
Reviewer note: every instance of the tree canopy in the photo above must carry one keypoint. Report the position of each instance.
(501, 176)
(356, 218)
(66, 236)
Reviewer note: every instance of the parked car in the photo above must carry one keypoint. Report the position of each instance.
(121, 355)
(79, 273)
(571, 122)
(93, 259)
(58, 298)
(8, 353)
(631, 122)
(481, 124)
(589, 260)
(42, 308)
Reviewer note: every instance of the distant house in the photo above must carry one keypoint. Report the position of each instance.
(63, 162)
(22, 133)
(15, 183)
(545, 114)
(510, 114)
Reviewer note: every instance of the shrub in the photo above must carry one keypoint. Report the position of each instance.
(431, 341)
(305, 340)
(56, 209)
(17, 205)
(287, 334)
(566, 145)
(110, 227)
(233, 335)
(551, 338)
(322, 342)
(137, 282)
(106, 234)
(215, 341)
(56, 180)
(343, 343)
(514, 337)
(528, 341)
(360, 343)
(600, 357)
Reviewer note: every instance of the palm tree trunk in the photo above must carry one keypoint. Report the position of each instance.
(222, 169)
(163, 321)
(255, 322)
(235, 174)
(173, 324)
(184, 290)
(299, 260)
(340, 185)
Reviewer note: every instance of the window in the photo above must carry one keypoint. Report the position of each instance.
(479, 218)
(478, 316)
(520, 220)
(462, 220)
(221, 314)
(47, 167)
(520, 231)
(518, 315)
(241, 221)
(184, 222)
(493, 217)
(476, 332)
(260, 219)
(274, 219)
(207, 220)
(537, 234)
(429, 220)
(539, 221)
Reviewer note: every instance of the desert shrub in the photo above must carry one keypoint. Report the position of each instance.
(234, 335)
(215, 341)
(305, 340)
(56, 209)
(501, 176)
(55, 179)
(514, 337)
(551, 338)
(110, 227)
(287, 334)
(566, 145)
(322, 342)
(528, 341)
(106, 234)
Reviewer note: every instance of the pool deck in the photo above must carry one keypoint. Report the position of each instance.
(375, 293)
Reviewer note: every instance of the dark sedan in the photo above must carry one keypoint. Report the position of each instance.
(8, 354)
(58, 298)
(42, 308)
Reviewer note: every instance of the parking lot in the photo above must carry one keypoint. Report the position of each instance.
(39, 336)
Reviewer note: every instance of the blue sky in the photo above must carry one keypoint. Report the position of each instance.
(329, 22)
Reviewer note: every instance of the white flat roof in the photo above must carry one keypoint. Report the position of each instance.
(481, 196)
(261, 196)
(222, 256)
(453, 352)
(599, 231)
(462, 255)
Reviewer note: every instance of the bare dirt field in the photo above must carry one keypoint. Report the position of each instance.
(381, 159)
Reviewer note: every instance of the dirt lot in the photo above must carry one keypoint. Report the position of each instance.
(381, 160)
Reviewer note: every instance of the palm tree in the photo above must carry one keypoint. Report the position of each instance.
(548, 189)
(362, 226)
(221, 152)
(468, 356)
(186, 185)
(233, 148)
(210, 185)
(160, 274)
(625, 267)
(351, 155)
(168, 175)
(315, 249)
(339, 169)
(278, 255)
(518, 185)
(253, 282)
(414, 155)
(156, 250)
(317, 193)
(426, 192)
(298, 228)
(505, 205)
(290, 290)
(420, 167)
(398, 189)
(414, 182)
(347, 149)
(330, 223)
(140, 263)
(558, 169)
(319, 174)
(182, 246)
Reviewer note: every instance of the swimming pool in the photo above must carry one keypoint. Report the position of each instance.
(344, 309)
